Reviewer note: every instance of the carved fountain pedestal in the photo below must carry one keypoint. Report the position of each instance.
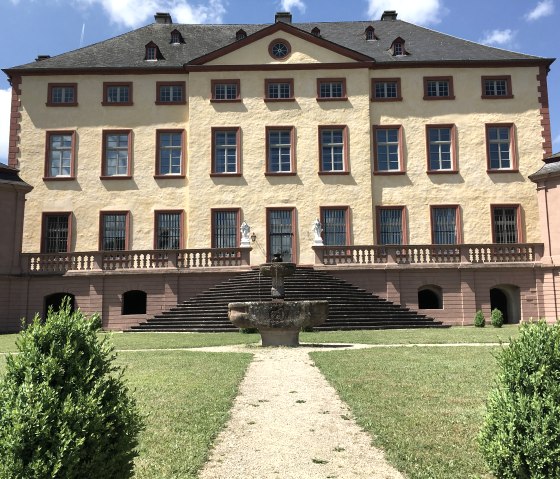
(279, 322)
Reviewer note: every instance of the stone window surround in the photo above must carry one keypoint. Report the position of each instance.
(50, 90)
(47, 172)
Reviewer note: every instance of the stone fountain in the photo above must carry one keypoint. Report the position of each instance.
(279, 322)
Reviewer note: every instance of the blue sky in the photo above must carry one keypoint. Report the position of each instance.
(33, 27)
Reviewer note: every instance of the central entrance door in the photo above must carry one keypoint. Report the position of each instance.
(280, 233)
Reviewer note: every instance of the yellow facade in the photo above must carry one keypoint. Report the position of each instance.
(472, 188)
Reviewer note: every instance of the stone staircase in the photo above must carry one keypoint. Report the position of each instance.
(349, 307)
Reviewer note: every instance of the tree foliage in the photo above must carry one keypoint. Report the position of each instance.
(65, 409)
(520, 437)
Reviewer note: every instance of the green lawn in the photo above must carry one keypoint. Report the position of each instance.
(466, 334)
(423, 405)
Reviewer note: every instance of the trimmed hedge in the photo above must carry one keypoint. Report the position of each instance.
(520, 437)
(65, 410)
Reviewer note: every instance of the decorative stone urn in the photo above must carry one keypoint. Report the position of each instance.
(279, 322)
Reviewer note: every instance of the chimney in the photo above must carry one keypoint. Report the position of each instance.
(285, 17)
(163, 18)
(389, 15)
(40, 58)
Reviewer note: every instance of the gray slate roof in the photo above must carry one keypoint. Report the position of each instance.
(551, 168)
(127, 50)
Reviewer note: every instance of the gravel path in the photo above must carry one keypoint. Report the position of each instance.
(288, 422)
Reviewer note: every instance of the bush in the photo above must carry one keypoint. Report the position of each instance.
(479, 320)
(520, 437)
(497, 318)
(65, 411)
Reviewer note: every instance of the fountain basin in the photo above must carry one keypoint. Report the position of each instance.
(279, 323)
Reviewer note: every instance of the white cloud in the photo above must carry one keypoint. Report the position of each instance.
(289, 5)
(501, 38)
(132, 13)
(5, 102)
(543, 9)
(422, 12)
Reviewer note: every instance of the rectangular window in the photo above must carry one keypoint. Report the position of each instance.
(500, 147)
(117, 94)
(226, 90)
(225, 228)
(170, 152)
(280, 232)
(331, 89)
(280, 150)
(170, 93)
(59, 161)
(505, 224)
(62, 94)
(335, 226)
(116, 154)
(387, 147)
(56, 233)
(226, 151)
(444, 225)
(114, 231)
(168, 230)
(441, 148)
(438, 88)
(390, 225)
(496, 87)
(333, 147)
(386, 89)
(279, 90)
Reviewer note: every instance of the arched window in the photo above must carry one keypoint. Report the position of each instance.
(397, 47)
(134, 302)
(316, 31)
(430, 297)
(55, 300)
(370, 34)
(240, 34)
(176, 37)
(152, 52)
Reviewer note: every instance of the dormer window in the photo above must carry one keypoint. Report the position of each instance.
(370, 34)
(176, 37)
(316, 31)
(240, 35)
(152, 52)
(397, 48)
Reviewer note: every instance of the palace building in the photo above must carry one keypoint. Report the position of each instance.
(153, 165)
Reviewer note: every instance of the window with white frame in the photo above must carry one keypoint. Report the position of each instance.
(332, 149)
(331, 89)
(279, 157)
(225, 90)
(279, 90)
(440, 148)
(387, 149)
(170, 152)
(499, 147)
(225, 151)
(386, 89)
(62, 94)
(60, 153)
(116, 153)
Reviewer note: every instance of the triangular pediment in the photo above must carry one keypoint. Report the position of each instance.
(259, 48)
